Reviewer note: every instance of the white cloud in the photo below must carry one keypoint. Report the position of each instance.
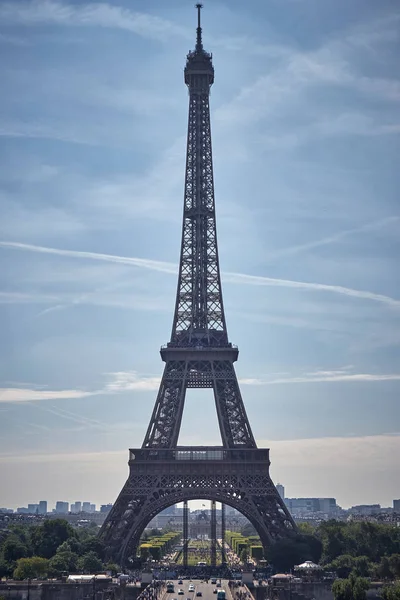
(89, 15)
(236, 278)
(323, 377)
(28, 395)
(25, 298)
(123, 381)
(64, 457)
(126, 381)
(278, 94)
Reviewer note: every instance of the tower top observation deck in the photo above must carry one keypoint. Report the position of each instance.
(199, 70)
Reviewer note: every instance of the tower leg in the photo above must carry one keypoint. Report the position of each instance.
(185, 533)
(213, 534)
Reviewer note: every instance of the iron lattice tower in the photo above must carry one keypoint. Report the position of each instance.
(199, 355)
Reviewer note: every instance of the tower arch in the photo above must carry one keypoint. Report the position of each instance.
(237, 478)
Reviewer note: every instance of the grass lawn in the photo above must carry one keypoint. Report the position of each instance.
(199, 551)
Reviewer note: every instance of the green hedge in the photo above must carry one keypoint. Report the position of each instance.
(158, 546)
(239, 542)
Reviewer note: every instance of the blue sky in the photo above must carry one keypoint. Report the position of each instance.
(305, 125)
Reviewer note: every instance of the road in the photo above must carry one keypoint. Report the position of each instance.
(206, 590)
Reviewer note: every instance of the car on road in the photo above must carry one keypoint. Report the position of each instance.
(215, 591)
(180, 592)
(191, 588)
(199, 594)
(180, 582)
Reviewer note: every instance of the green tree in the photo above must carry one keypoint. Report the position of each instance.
(342, 590)
(13, 549)
(394, 563)
(311, 546)
(90, 563)
(29, 568)
(112, 568)
(391, 592)
(244, 555)
(93, 544)
(64, 547)
(383, 569)
(6, 569)
(23, 534)
(155, 552)
(362, 567)
(84, 532)
(352, 588)
(287, 553)
(49, 536)
(373, 540)
(342, 565)
(306, 528)
(360, 588)
(331, 534)
(63, 562)
(145, 553)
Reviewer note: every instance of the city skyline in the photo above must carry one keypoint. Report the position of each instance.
(193, 504)
(305, 130)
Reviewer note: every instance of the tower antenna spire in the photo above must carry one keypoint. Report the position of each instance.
(199, 42)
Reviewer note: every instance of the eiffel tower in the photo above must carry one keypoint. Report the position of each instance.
(199, 355)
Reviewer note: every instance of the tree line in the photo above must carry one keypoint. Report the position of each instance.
(356, 551)
(362, 548)
(51, 549)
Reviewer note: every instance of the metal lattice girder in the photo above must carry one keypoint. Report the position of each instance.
(199, 315)
(219, 375)
(199, 355)
(160, 478)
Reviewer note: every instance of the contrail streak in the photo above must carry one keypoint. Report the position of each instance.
(145, 263)
(235, 278)
(333, 238)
